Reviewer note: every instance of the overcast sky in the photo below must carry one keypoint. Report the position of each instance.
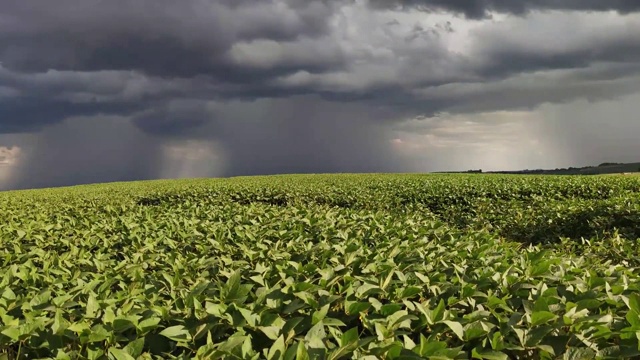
(95, 91)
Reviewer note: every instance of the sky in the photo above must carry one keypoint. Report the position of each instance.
(98, 91)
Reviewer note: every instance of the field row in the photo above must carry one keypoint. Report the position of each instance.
(323, 267)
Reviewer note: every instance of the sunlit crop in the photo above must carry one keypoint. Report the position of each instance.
(323, 267)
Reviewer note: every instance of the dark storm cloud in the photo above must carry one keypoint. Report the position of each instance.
(511, 48)
(298, 135)
(159, 37)
(260, 137)
(240, 50)
(86, 150)
(32, 113)
(480, 8)
(528, 91)
(284, 86)
(175, 118)
(302, 136)
(32, 101)
(188, 49)
(28, 114)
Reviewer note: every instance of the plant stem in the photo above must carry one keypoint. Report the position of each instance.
(19, 350)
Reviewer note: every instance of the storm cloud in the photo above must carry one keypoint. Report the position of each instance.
(483, 8)
(95, 91)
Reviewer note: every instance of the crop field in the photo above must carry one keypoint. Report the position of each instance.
(324, 267)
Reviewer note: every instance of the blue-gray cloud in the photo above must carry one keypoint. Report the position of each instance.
(293, 85)
(482, 8)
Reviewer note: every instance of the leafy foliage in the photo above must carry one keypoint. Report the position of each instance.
(323, 267)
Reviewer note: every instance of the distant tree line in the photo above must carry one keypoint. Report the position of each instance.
(609, 164)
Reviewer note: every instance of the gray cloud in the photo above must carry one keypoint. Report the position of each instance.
(211, 49)
(574, 133)
(165, 38)
(481, 8)
(8, 155)
(299, 134)
(593, 132)
(528, 91)
(85, 150)
(302, 135)
(28, 114)
(289, 85)
(174, 118)
(564, 41)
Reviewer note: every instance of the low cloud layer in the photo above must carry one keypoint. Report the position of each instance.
(96, 91)
(484, 8)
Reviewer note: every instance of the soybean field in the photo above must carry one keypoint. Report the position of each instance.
(349, 266)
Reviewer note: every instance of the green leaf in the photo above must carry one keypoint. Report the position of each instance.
(301, 353)
(590, 304)
(634, 302)
(428, 348)
(291, 353)
(8, 294)
(79, 327)
(277, 350)
(521, 334)
(534, 336)
(176, 333)
(41, 300)
(233, 289)
(390, 309)
(350, 336)
(332, 322)
(481, 353)
(121, 324)
(109, 316)
(91, 310)
(60, 324)
(358, 307)
(99, 334)
(289, 328)
(343, 351)
(272, 332)
(475, 330)
(320, 314)
(541, 317)
(579, 354)
(367, 289)
(205, 352)
(546, 348)
(540, 268)
(62, 355)
(410, 291)
(251, 318)
(12, 332)
(307, 298)
(232, 343)
(315, 336)
(119, 354)
(633, 318)
(456, 327)
(135, 347)
(497, 342)
(437, 314)
(619, 352)
(149, 324)
(94, 353)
